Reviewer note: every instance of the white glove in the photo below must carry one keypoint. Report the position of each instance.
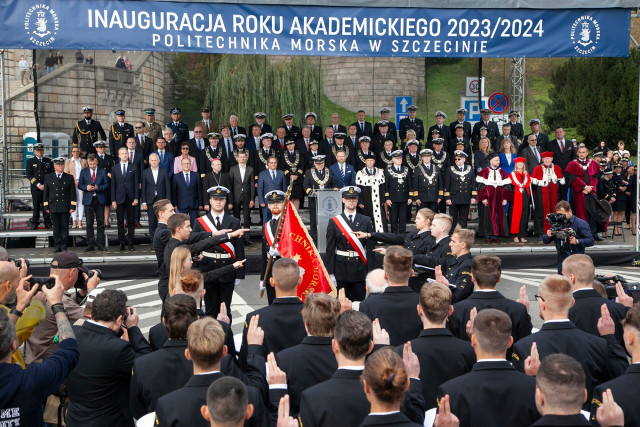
(274, 252)
(237, 282)
(262, 288)
(333, 279)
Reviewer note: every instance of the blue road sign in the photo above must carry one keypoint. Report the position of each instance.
(402, 102)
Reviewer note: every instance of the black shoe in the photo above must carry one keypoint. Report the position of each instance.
(121, 248)
(89, 248)
(34, 227)
(597, 238)
(248, 243)
(58, 250)
(102, 248)
(48, 225)
(131, 248)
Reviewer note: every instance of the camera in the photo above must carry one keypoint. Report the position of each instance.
(49, 282)
(18, 263)
(560, 226)
(81, 283)
(630, 288)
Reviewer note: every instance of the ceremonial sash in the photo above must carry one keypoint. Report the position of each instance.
(269, 235)
(348, 234)
(206, 223)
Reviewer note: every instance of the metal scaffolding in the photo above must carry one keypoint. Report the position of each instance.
(3, 139)
(516, 85)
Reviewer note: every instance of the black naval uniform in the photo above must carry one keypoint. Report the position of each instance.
(465, 125)
(293, 164)
(517, 130)
(180, 134)
(264, 260)
(220, 290)
(459, 276)
(36, 172)
(428, 186)
(460, 188)
(344, 262)
(59, 199)
(493, 133)
(625, 393)
(106, 163)
(415, 124)
(86, 133)
(444, 131)
(398, 189)
(118, 136)
(316, 180)
(438, 253)
(383, 160)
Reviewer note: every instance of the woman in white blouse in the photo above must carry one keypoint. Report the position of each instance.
(73, 166)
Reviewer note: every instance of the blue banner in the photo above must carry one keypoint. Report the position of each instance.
(311, 30)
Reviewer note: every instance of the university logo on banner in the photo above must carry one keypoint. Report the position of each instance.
(41, 24)
(585, 34)
(296, 243)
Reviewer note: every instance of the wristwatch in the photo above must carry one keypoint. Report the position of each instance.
(16, 312)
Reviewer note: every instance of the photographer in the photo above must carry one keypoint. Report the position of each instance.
(23, 391)
(569, 233)
(16, 300)
(99, 385)
(69, 268)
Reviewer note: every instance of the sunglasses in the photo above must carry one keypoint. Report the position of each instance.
(139, 127)
(184, 148)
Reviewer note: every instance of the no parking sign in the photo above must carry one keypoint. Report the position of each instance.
(498, 102)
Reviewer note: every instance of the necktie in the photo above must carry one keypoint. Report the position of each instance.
(306, 143)
(342, 170)
(218, 224)
(351, 218)
(412, 121)
(335, 128)
(142, 141)
(59, 176)
(186, 177)
(561, 146)
(102, 156)
(124, 169)
(93, 176)
(362, 127)
(235, 131)
(273, 176)
(131, 156)
(370, 172)
(162, 156)
(535, 150)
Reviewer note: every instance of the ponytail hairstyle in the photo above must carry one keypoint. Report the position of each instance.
(386, 376)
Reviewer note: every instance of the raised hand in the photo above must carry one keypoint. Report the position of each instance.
(532, 363)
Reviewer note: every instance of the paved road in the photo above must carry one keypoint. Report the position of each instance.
(143, 294)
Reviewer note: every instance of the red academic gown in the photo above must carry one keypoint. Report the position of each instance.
(491, 187)
(546, 180)
(519, 208)
(583, 175)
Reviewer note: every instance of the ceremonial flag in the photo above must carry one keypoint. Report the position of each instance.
(295, 243)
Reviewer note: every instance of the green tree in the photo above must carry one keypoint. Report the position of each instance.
(598, 97)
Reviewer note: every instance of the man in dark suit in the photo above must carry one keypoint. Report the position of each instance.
(531, 153)
(602, 358)
(363, 128)
(125, 193)
(178, 313)
(349, 259)
(411, 122)
(335, 124)
(187, 191)
(563, 153)
(395, 308)
(119, 133)
(312, 361)
(37, 168)
(282, 315)
(588, 302)
(341, 401)
(485, 274)
(99, 386)
(303, 144)
(144, 144)
(156, 185)
(165, 156)
(95, 184)
(493, 391)
(466, 126)
(343, 173)
(87, 131)
(106, 162)
(624, 387)
(492, 127)
(205, 348)
(241, 184)
(260, 123)
(234, 128)
(136, 161)
(443, 130)
(442, 356)
(221, 289)
(59, 202)
(269, 180)
(198, 144)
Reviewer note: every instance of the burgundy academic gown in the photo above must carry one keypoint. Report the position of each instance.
(546, 180)
(582, 175)
(493, 187)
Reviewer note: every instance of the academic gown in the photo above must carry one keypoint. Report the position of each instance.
(493, 187)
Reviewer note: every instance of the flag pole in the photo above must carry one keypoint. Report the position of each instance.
(276, 237)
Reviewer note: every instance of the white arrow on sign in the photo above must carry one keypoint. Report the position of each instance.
(404, 104)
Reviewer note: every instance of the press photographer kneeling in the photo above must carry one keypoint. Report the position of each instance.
(569, 233)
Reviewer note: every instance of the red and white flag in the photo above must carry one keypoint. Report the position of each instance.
(296, 243)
